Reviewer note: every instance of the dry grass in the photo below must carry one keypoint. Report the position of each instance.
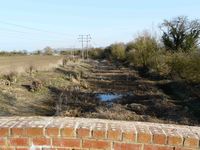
(21, 64)
(71, 90)
(18, 98)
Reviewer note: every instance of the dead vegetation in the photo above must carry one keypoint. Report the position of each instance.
(36, 85)
(30, 64)
(144, 99)
(71, 90)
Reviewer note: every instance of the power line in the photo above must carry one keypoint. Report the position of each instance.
(84, 39)
(34, 29)
(22, 37)
(11, 30)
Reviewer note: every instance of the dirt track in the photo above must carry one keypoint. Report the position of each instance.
(73, 90)
(143, 100)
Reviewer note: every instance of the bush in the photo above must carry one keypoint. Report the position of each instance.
(159, 63)
(144, 50)
(185, 66)
(96, 53)
(130, 46)
(116, 52)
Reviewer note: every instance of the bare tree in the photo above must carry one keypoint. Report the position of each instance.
(48, 50)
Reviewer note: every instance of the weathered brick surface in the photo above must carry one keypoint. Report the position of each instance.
(129, 133)
(127, 146)
(83, 130)
(18, 142)
(41, 141)
(96, 144)
(48, 133)
(157, 147)
(159, 136)
(60, 142)
(114, 131)
(2, 141)
(173, 136)
(143, 134)
(99, 131)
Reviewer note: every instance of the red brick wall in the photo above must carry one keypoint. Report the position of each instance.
(46, 133)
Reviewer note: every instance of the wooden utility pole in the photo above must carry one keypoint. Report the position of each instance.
(84, 39)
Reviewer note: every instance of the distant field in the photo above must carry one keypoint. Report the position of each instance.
(21, 64)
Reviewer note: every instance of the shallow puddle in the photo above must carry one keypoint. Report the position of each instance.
(105, 97)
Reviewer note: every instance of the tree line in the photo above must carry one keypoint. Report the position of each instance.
(175, 54)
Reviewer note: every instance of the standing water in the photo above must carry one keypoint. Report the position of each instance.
(105, 97)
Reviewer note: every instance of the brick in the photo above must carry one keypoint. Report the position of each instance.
(190, 138)
(99, 131)
(159, 139)
(126, 146)
(52, 131)
(4, 132)
(18, 132)
(41, 141)
(19, 142)
(155, 147)
(173, 136)
(84, 129)
(34, 131)
(96, 144)
(114, 132)
(21, 133)
(99, 134)
(144, 138)
(183, 148)
(66, 142)
(58, 149)
(68, 132)
(6, 148)
(83, 149)
(2, 142)
(128, 136)
(143, 134)
(64, 149)
(159, 136)
(129, 133)
(191, 142)
(175, 140)
(83, 132)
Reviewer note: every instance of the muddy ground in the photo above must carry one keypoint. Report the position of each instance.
(143, 97)
(74, 90)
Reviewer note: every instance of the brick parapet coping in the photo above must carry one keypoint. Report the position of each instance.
(56, 133)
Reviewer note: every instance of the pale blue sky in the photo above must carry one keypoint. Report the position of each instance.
(61, 21)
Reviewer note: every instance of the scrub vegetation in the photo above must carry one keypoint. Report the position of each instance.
(151, 79)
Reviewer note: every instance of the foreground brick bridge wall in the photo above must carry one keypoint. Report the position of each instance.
(46, 133)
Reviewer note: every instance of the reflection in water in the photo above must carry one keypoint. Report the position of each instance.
(108, 96)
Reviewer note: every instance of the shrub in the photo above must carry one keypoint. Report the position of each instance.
(130, 46)
(159, 62)
(185, 66)
(96, 53)
(144, 50)
(117, 51)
